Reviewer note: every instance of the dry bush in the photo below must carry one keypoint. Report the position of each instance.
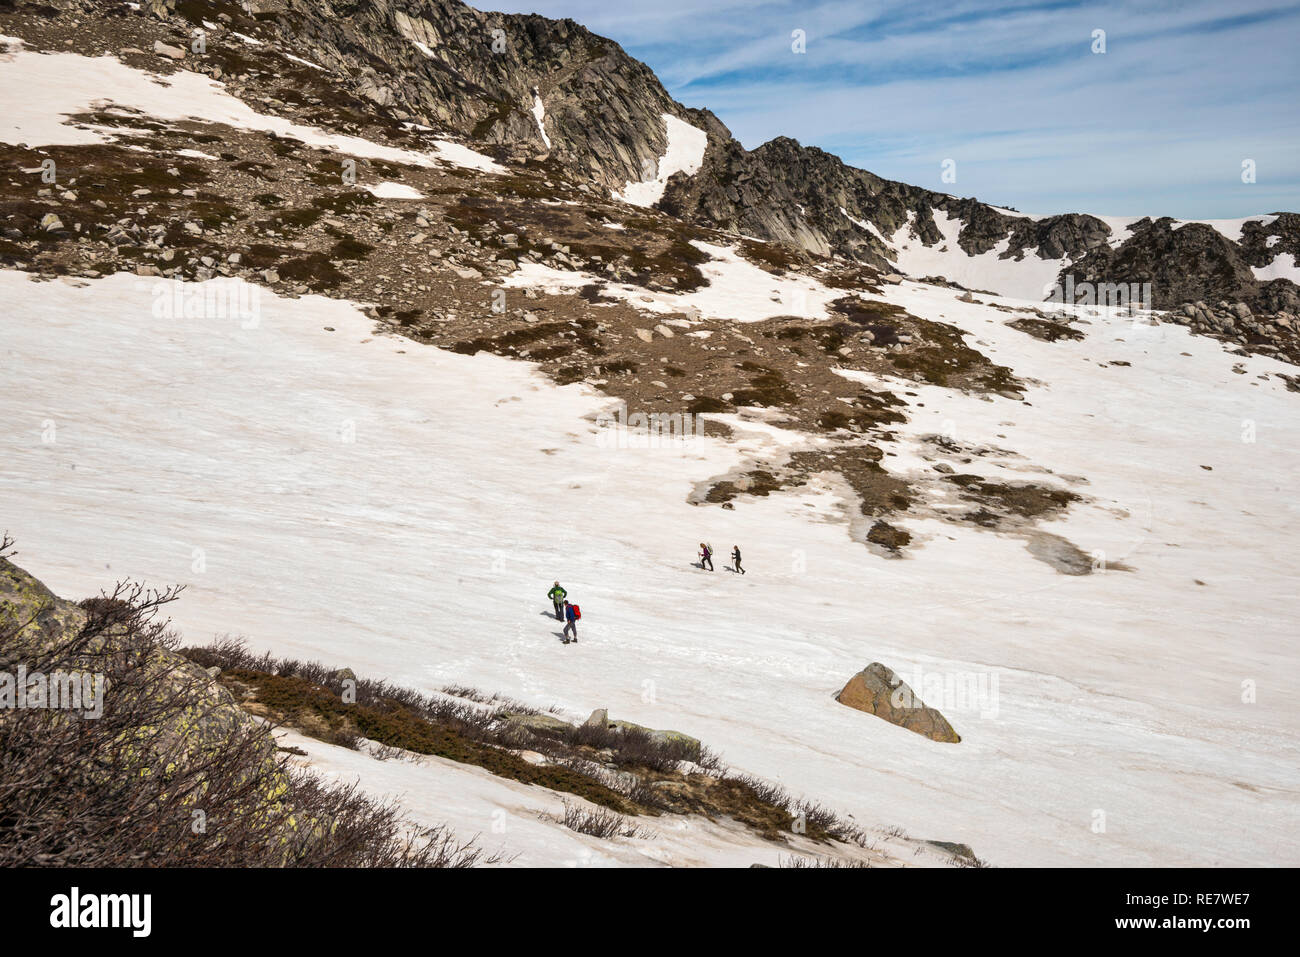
(465, 710)
(632, 747)
(172, 774)
(818, 819)
(600, 823)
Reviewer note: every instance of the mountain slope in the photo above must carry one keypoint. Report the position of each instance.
(603, 123)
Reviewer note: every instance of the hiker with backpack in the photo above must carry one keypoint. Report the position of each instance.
(557, 596)
(572, 614)
(735, 558)
(706, 556)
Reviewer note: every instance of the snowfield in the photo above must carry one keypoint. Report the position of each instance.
(1028, 278)
(401, 510)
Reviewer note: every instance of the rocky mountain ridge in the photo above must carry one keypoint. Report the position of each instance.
(482, 74)
(530, 88)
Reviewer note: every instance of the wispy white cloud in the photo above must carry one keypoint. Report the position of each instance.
(1010, 89)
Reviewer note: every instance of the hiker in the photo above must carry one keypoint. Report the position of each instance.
(706, 556)
(735, 558)
(571, 615)
(557, 596)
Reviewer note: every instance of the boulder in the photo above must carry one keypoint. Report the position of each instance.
(171, 52)
(664, 736)
(545, 724)
(877, 690)
(600, 717)
(192, 716)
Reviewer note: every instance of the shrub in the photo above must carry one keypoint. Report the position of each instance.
(600, 823)
(173, 774)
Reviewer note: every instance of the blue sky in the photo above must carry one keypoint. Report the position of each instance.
(1011, 90)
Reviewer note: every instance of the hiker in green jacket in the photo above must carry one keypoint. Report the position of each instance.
(557, 596)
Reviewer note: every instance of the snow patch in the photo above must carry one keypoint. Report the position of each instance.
(737, 290)
(387, 190)
(539, 114)
(1028, 278)
(298, 59)
(1283, 266)
(685, 154)
(864, 224)
(1120, 226)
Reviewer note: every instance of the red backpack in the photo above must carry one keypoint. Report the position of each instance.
(577, 612)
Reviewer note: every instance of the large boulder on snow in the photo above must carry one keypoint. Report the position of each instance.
(877, 690)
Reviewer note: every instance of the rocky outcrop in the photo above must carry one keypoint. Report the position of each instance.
(806, 197)
(189, 716)
(477, 73)
(600, 718)
(877, 690)
(538, 723)
(1277, 335)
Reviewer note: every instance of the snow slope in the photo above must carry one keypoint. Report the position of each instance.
(1027, 278)
(1229, 228)
(684, 154)
(868, 226)
(539, 114)
(402, 510)
(523, 823)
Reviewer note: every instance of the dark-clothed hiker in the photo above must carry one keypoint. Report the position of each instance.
(572, 613)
